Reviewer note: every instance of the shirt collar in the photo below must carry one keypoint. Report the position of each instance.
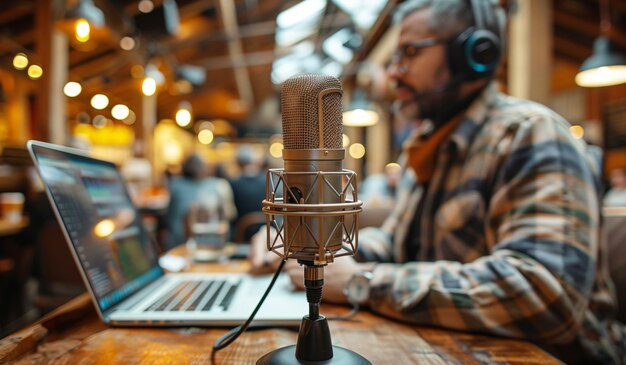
(472, 121)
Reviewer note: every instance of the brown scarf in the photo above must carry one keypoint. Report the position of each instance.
(422, 155)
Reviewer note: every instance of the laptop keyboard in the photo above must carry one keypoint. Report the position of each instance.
(196, 295)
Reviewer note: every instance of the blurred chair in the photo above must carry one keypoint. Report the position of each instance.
(247, 226)
(7, 288)
(206, 225)
(59, 279)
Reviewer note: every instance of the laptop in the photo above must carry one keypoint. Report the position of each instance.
(119, 261)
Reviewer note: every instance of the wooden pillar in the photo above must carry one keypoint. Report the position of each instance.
(377, 146)
(17, 111)
(52, 54)
(530, 50)
(148, 122)
(356, 136)
(58, 125)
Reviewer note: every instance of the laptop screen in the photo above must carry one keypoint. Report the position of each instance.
(105, 229)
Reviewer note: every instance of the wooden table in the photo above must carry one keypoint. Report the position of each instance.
(73, 334)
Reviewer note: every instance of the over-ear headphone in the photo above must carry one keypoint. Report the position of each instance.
(475, 53)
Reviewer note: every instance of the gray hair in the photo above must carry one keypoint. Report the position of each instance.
(449, 17)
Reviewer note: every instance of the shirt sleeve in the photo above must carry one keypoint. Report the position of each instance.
(377, 243)
(542, 233)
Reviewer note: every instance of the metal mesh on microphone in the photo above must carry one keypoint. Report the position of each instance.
(299, 104)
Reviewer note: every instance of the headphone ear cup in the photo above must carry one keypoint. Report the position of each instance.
(475, 54)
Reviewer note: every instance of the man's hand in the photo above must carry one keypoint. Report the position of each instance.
(262, 261)
(336, 276)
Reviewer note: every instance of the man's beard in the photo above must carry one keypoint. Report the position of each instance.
(437, 105)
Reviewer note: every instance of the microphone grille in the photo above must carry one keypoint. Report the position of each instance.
(299, 107)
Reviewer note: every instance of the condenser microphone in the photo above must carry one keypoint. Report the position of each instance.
(316, 199)
(312, 138)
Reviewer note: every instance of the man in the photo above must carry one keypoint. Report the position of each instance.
(498, 232)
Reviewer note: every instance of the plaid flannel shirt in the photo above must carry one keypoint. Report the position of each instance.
(508, 236)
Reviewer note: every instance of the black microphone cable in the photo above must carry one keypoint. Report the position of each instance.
(234, 333)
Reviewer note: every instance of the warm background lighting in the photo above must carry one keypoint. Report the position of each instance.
(577, 131)
(183, 117)
(205, 136)
(72, 89)
(356, 151)
(20, 61)
(99, 101)
(82, 30)
(35, 72)
(602, 76)
(104, 228)
(127, 43)
(360, 118)
(120, 111)
(148, 87)
(345, 140)
(130, 119)
(276, 150)
(145, 6)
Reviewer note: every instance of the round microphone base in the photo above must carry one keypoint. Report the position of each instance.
(287, 355)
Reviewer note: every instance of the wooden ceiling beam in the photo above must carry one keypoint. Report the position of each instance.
(586, 26)
(18, 42)
(235, 50)
(21, 9)
(572, 48)
(251, 59)
(101, 66)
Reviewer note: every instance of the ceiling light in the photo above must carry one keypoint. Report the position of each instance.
(145, 6)
(35, 72)
(127, 43)
(577, 131)
(72, 89)
(345, 140)
(130, 119)
(183, 115)
(357, 151)
(20, 61)
(99, 101)
(360, 112)
(605, 67)
(85, 9)
(205, 136)
(276, 149)
(120, 111)
(148, 86)
(82, 30)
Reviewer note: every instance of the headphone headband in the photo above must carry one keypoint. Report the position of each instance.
(475, 53)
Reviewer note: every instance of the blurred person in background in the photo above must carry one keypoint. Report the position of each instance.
(249, 189)
(496, 228)
(195, 186)
(616, 195)
(379, 190)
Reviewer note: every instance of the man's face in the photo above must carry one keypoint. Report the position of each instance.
(422, 73)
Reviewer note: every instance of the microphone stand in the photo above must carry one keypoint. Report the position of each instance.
(314, 344)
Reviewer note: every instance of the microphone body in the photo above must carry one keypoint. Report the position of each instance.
(315, 203)
(317, 193)
(309, 188)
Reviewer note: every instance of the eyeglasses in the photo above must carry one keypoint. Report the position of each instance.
(410, 50)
